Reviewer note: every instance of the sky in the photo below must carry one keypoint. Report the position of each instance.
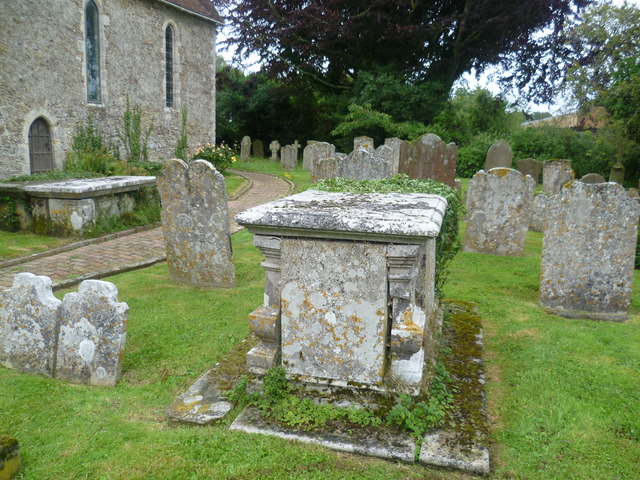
(467, 80)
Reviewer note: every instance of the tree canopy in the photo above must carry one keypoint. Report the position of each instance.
(334, 41)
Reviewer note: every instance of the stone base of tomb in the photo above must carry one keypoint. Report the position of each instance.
(460, 443)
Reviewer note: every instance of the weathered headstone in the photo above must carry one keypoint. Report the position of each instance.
(326, 169)
(296, 147)
(288, 158)
(531, 167)
(555, 173)
(588, 252)
(617, 174)
(245, 147)
(93, 332)
(400, 149)
(29, 316)
(363, 142)
(195, 223)
(274, 146)
(539, 211)
(365, 164)
(593, 178)
(458, 187)
(430, 157)
(258, 148)
(498, 209)
(499, 155)
(307, 155)
(318, 150)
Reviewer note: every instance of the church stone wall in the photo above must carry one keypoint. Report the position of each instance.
(42, 73)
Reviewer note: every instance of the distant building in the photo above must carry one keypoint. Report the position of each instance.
(63, 61)
(592, 120)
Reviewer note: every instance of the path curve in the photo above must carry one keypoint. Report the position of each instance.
(136, 250)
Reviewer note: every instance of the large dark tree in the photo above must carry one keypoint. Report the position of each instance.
(333, 41)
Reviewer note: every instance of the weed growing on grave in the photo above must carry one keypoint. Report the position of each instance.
(9, 219)
(448, 243)
(134, 141)
(182, 148)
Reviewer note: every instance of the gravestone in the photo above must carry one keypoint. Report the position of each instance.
(617, 174)
(326, 169)
(588, 252)
(307, 156)
(296, 148)
(633, 193)
(274, 146)
(555, 173)
(539, 212)
(593, 178)
(245, 148)
(400, 149)
(258, 149)
(287, 158)
(430, 157)
(317, 151)
(29, 315)
(498, 210)
(363, 142)
(93, 332)
(367, 164)
(499, 155)
(531, 167)
(195, 223)
(349, 292)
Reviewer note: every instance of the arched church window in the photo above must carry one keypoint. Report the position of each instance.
(92, 45)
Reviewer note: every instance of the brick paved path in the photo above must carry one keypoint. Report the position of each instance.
(137, 249)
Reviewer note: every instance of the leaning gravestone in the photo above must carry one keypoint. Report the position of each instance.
(195, 223)
(555, 173)
(430, 157)
(93, 332)
(245, 148)
(29, 316)
(593, 178)
(531, 167)
(274, 146)
(498, 209)
(617, 174)
(499, 155)
(287, 157)
(363, 142)
(588, 252)
(258, 148)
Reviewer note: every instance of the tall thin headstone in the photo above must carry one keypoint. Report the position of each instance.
(555, 173)
(400, 149)
(274, 146)
(195, 223)
(245, 148)
(258, 148)
(296, 148)
(29, 316)
(93, 332)
(588, 252)
(498, 209)
(287, 158)
(499, 155)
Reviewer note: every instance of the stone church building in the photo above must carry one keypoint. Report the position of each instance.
(64, 61)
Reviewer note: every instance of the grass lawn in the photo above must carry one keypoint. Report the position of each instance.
(563, 395)
(298, 176)
(17, 244)
(234, 183)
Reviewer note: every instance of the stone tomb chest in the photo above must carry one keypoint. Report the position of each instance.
(349, 294)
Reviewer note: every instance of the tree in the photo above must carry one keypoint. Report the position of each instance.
(333, 41)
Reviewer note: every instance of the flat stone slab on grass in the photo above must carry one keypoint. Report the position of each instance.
(350, 215)
(89, 187)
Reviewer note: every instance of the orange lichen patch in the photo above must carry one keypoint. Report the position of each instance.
(500, 172)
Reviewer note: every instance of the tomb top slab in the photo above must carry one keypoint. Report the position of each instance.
(398, 217)
(88, 187)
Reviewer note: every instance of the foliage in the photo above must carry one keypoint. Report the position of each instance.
(599, 42)
(331, 42)
(221, 157)
(90, 152)
(447, 244)
(472, 156)
(363, 120)
(421, 416)
(9, 219)
(54, 175)
(134, 141)
(182, 148)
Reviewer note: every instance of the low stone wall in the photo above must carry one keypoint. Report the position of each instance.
(68, 207)
(79, 339)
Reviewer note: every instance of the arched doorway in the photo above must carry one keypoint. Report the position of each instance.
(40, 152)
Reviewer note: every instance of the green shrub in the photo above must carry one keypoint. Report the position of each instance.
(222, 156)
(9, 219)
(448, 243)
(133, 140)
(472, 156)
(90, 152)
